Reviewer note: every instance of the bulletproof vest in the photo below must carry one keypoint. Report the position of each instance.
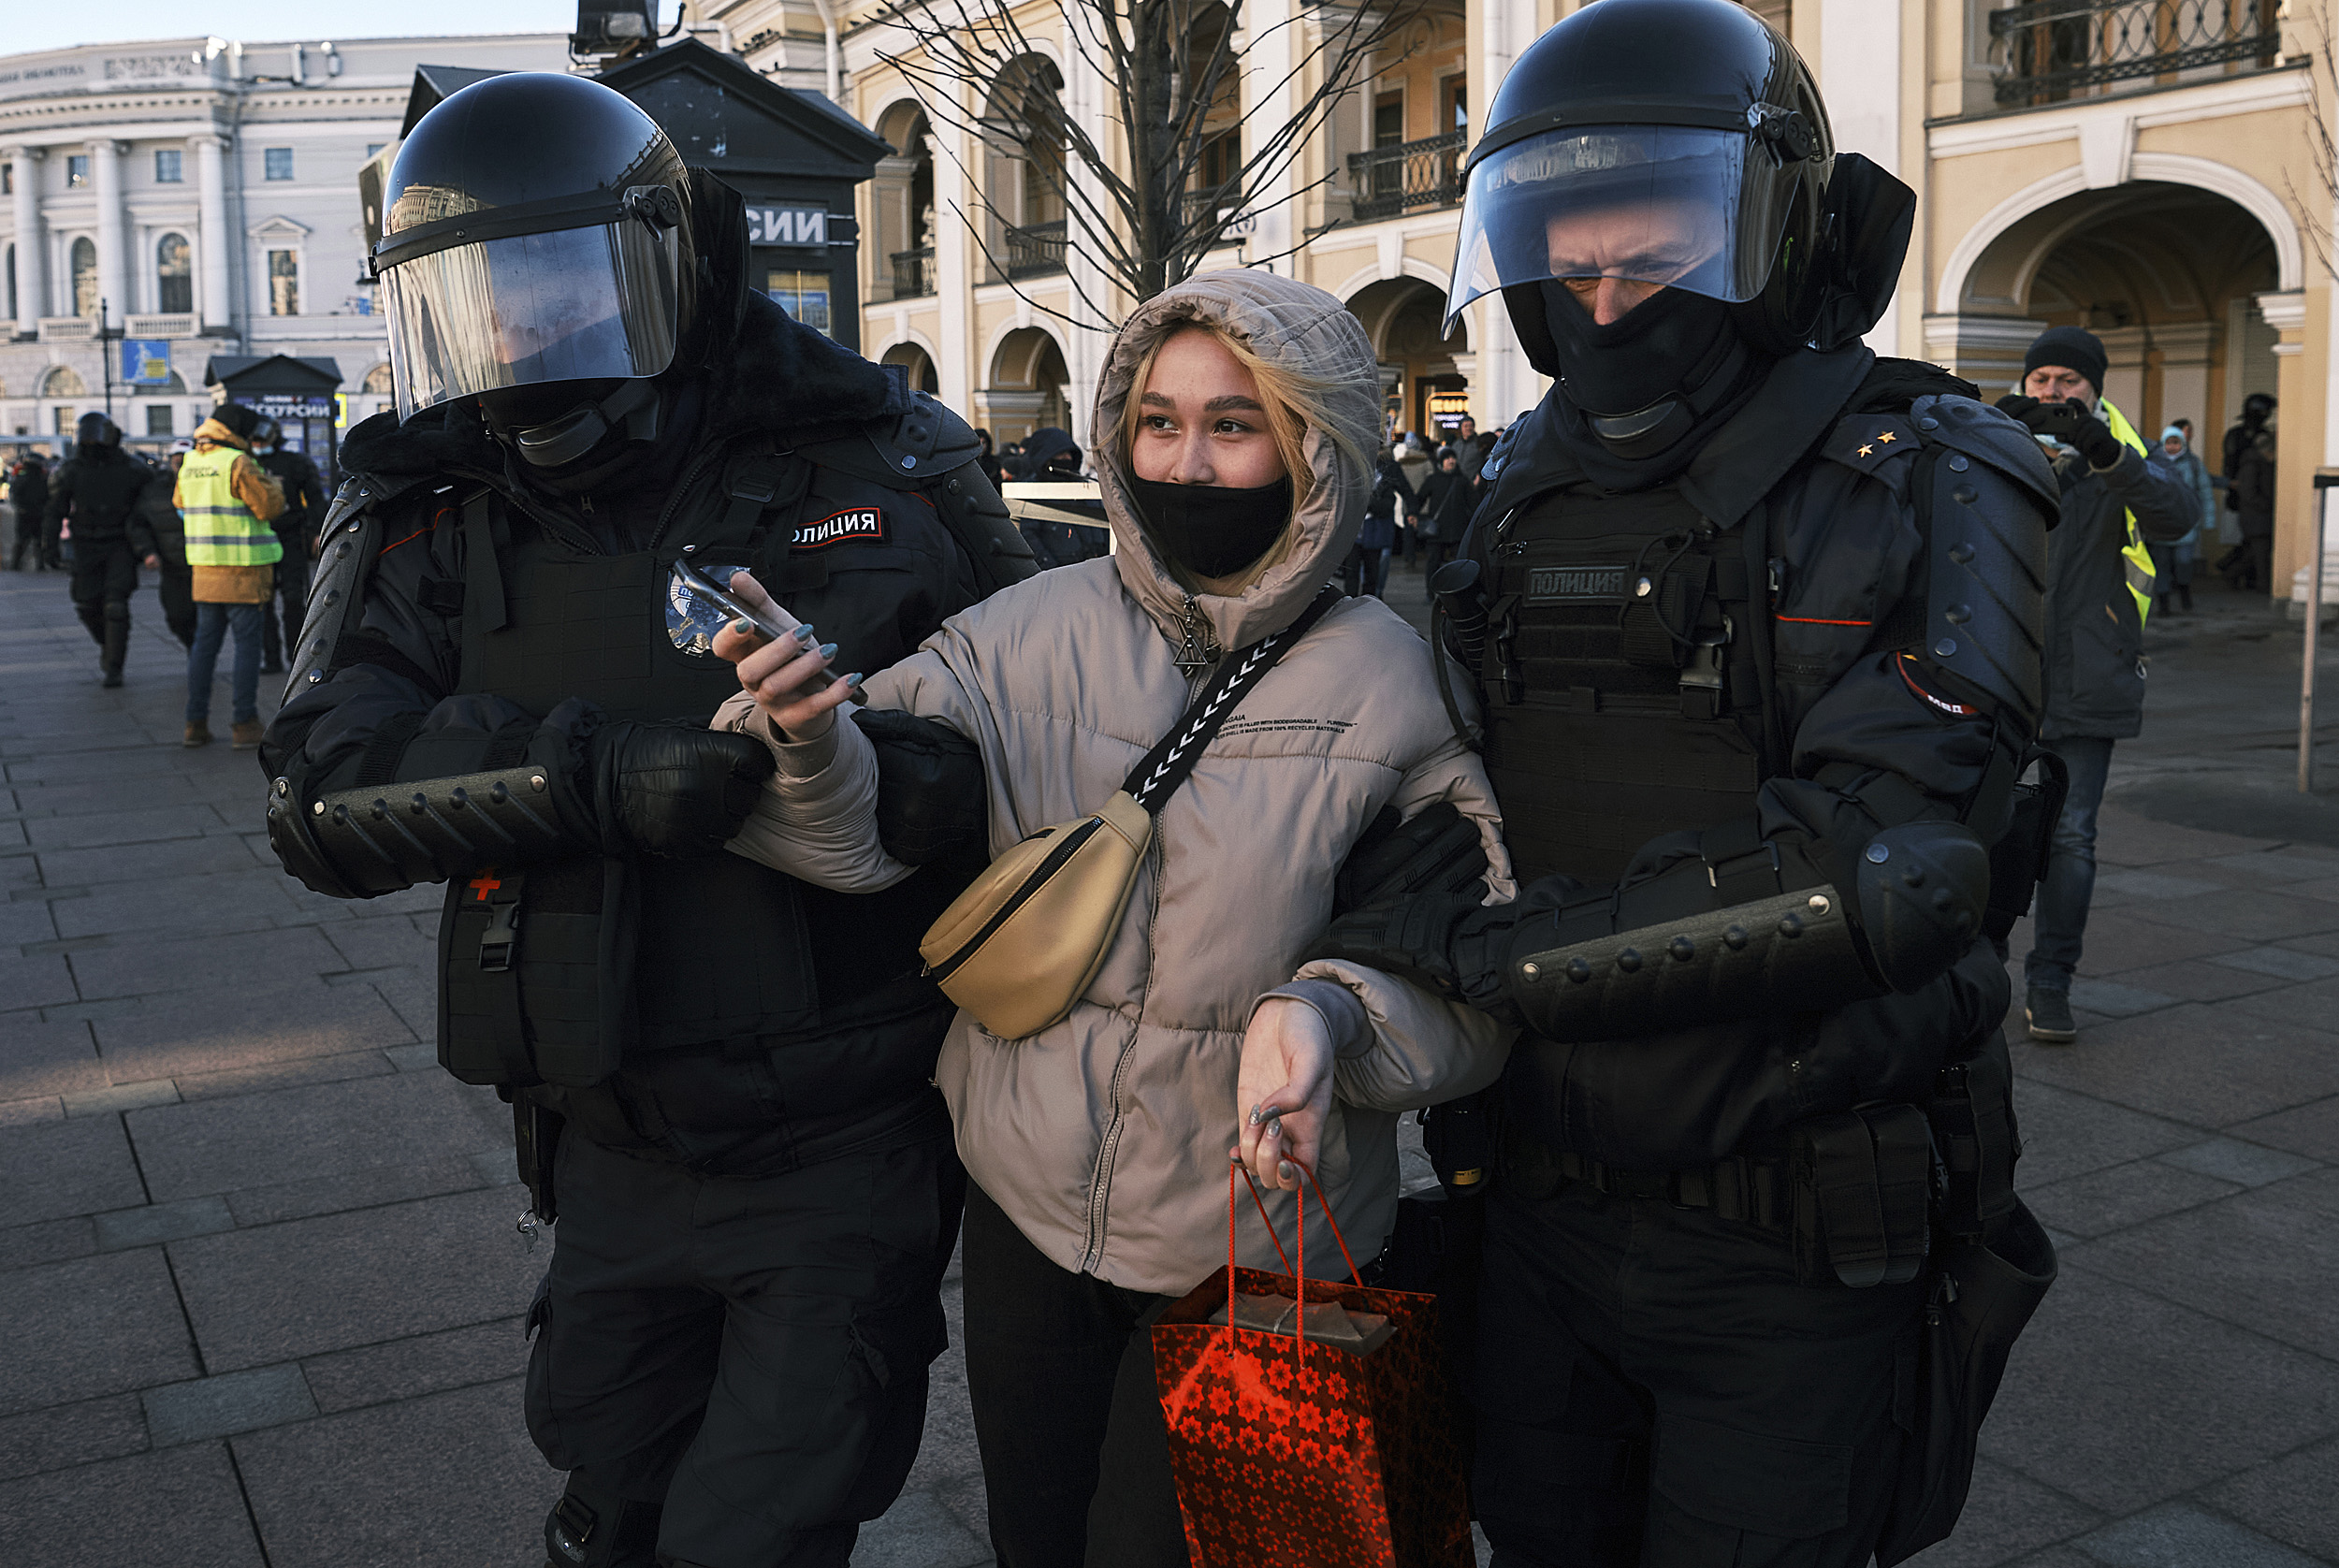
(611, 954)
(1622, 696)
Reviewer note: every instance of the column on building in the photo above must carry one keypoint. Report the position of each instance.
(211, 239)
(32, 246)
(1987, 351)
(1270, 90)
(1503, 384)
(953, 272)
(1092, 286)
(2187, 350)
(894, 226)
(105, 163)
(1859, 75)
(2295, 501)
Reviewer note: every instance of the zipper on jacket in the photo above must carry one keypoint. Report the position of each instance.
(1197, 649)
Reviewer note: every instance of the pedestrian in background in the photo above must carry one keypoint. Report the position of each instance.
(28, 492)
(2246, 565)
(226, 502)
(164, 537)
(295, 529)
(98, 490)
(1468, 453)
(2173, 563)
(2099, 584)
(2254, 506)
(1445, 507)
(1366, 571)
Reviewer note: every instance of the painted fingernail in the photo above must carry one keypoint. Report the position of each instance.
(1284, 1171)
(804, 633)
(743, 627)
(1255, 1115)
(853, 679)
(828, 651)
(1275, 1127)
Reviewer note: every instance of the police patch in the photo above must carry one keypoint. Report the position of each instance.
(1572, 584)
(841, 528)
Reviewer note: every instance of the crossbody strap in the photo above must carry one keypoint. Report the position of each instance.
(1166, 766)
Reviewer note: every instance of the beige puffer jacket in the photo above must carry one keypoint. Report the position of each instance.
(1106, 1136)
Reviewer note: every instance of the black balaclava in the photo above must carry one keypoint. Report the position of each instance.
(1209, 529)
(1645, 391)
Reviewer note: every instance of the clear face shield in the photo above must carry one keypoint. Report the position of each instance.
(596, 303)
(1681, 206)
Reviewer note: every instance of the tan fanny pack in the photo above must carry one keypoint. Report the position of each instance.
(1020, 946)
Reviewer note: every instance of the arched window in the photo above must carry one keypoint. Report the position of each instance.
(63, 382)
(174, 274)
(84, 268)
(378, 380)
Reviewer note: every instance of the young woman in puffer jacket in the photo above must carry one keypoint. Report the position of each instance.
(1233, 424)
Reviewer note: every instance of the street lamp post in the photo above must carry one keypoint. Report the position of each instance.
(104, 360)
(2325, 479)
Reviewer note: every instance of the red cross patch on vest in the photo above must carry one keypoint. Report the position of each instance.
(860, 523)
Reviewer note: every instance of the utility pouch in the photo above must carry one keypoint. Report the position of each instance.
(1972, 1115)
(1459, 1138)
(1982, 1295)
(538, 973)
(535, 1141)
(2019, 859)
(1862, 1183)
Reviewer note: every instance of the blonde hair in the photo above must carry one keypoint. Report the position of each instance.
(1294, 404)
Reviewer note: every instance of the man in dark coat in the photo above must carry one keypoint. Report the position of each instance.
(1442, 509)
(2249, 564)
(163, 539)
(296, 529)
(98, 490)
(28, 496)
(2116, 503)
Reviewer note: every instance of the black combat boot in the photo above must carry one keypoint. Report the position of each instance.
(115, 646)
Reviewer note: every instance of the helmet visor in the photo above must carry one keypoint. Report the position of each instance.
(1681, 206)
(573, 304)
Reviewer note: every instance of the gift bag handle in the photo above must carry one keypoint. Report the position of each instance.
(1298, 1274)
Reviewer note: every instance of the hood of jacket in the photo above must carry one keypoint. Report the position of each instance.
(220, 435)
(1289, 323)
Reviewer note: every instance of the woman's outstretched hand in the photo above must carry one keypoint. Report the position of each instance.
(1284, 1092)
(779, 675)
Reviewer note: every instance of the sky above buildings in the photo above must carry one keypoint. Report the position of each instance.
(34, 26)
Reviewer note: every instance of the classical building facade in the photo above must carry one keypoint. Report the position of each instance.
(203, 192)
(2149, 168)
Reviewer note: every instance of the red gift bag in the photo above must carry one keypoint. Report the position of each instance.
(1292, 1453)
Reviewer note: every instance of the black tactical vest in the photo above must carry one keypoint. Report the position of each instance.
(1620, 688)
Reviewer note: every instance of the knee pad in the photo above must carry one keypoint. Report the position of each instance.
(118, 609)
(591, 1528)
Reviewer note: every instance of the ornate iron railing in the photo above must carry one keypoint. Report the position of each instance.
(2047, 50)
(1034, 249)
(913, 273)
(1407, 177)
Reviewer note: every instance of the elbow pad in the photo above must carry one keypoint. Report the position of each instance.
(1918, 896)
(931, 794)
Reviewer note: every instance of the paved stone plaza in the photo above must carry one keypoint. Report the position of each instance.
(260, 1288)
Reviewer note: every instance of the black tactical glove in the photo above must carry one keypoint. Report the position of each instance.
(2069, 422)
(931, 798)
(672, 789)
(1438, 851)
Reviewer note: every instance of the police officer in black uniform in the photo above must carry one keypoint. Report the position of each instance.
(296, 529)
(1755, 621)
(98, 490)
(720, 1075)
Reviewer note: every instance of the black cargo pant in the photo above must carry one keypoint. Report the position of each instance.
(1655, 1388)
(749, 1352)
(292, 587)
(104, 572)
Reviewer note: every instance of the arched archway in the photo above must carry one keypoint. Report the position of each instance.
(63, 380)
(902, 194)
(1425, 373)
(916, 365)
(2167, 274)
(1026, 387)
(1025, 173)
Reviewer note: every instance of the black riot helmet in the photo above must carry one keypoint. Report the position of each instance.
(538, 253)
(95, 431)
(1680, 142)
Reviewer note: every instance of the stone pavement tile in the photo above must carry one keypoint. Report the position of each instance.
(354, 1189)
(2211, 1067)
(2158, 884)
(46, 1057)
(2125, 1194)
(2252, 913)
(137, 863)
(2230, 1160)
(2295, 1499)
(2181, 1535)
(2006, 1515)
(49, 1241)
(2324, 887)
(92, 1326)
(412, 993)
(2292, 863)
(105, 796)
(947, 1454)
(122, 1097)
(2125, 838)
(215, 1029)
(302, 1288)
(2284, 963)
(2120, 1399)
(2193, 979)
(146, 967)
(116, 1513)
(225, 1405)
(160, 1222)
(381, 944)
(65, 1435)
(43, 1108)
(282, 1075)
(62, 769)
(422, 1056)
(26, 920)
(216, 904)
(2065, 1134)
(2323, 942)
(2312, 1130)
(37, 980)
(2264, 1259)
(447, 1481)
(151, 824)
(918, 1532)
(2315, 1004)
(75, 1166)
(299, 1133)
(2110, 999)
(425, 1364)
(2053, 1557)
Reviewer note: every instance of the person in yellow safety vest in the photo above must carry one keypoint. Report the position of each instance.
(2099, 587)
(226, 501)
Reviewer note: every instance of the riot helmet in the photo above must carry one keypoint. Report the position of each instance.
(1680, 143)
(94, 432)
(538, 253)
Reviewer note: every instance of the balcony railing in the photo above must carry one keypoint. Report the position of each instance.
(172, 324)
(2048, 50)
(1407, 177)
(913, 273)
(1219, 205)
(1034, 249)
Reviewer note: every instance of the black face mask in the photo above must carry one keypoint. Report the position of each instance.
(1211, 530)
(1650, 386)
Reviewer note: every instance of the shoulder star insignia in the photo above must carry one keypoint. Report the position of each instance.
(1887, 438)
(1866, 451)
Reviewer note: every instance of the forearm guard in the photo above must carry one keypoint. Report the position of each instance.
(1919, 895)
(361, 843)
